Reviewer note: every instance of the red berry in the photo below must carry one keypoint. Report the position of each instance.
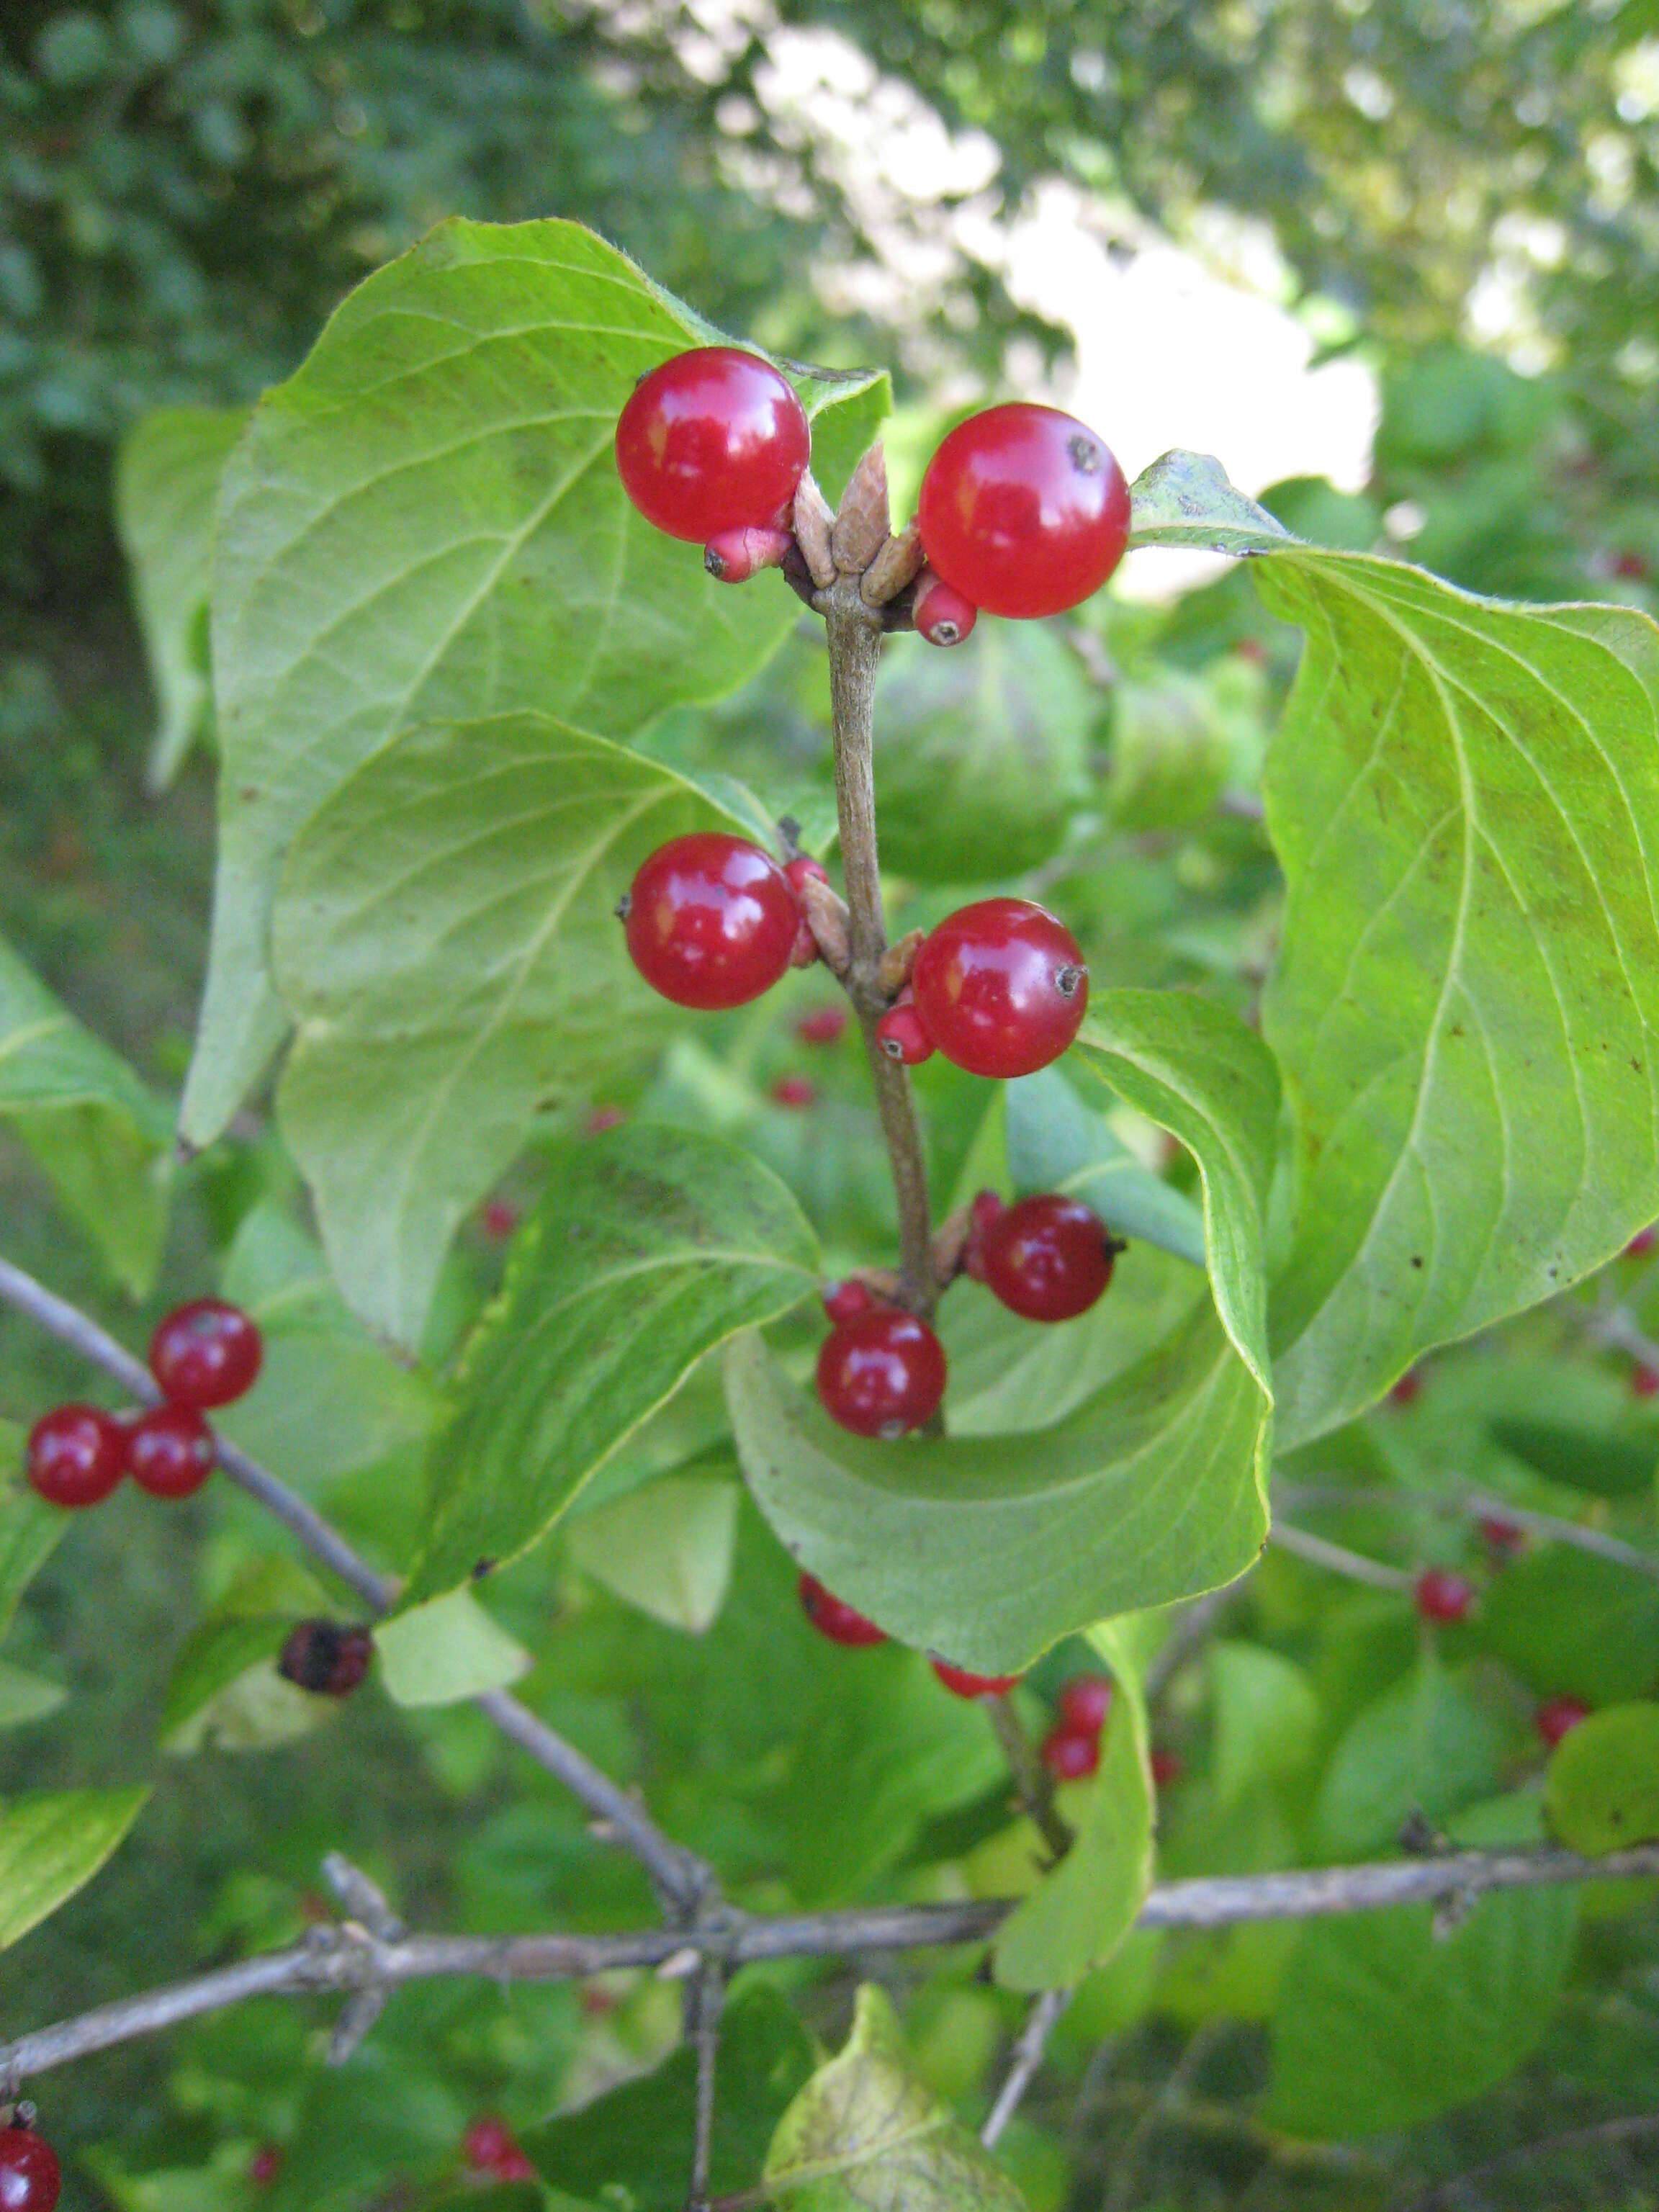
(847, 1301)
(30, 2177)
(1047, 1258)
(983, 1214)
(824, 1025)
(1442, 1595)
(500, 1220)
(1071, 1754)
(602, 1118)
(1408, 1390)
(1023, 511)
(715, 440)
(1168, 1767)
(834, 1619)
(881, 1373)
(77, 1454)
(264, 2165)
(1559, 1716)
(711, 920)
(804, 869)
(487, 2142)
(732, 556)
(1503, 1539)
(1630, 563)
(1643, 1243)
(327, 1658)
(901, 1034)
(793, 1091)
(170, 1451)
(1645, 1382)
(1251, 649)
(205, 1354)
(515, 2167)
(961, 1684)
(1000, 987)
(941, 616)
(1084, 1703)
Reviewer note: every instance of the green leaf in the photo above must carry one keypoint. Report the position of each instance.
(1171, 753)
(653, 1246)
(1151, 1490)
(1424, 1745)
(1056, 1142)
(1264, 1717)
(447, 939)
(1602, 1792)
(25, 1697)
(1464, 796)
(440, 1653)
(981, 754)
(635, 2144)
(1570, 1622)
(166, 494)
(30, 1529)
(424, 525)
(1185, 501)
(867, 2135)
(1582, 1459)
(102, 1139)
(52, 1845)
(1380, 2024)
(667, 1548)
(224, 1692)
(1083, 1908)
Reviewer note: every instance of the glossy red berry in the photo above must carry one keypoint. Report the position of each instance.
(732, 556)
(1047, 1258)
(1408, 1390)
(327, 1658)
(1643, 1243)
(847, 1301)
(881, 1373)
(1071, 1754)
(715, 440)
(1168, 1767)
(793, 1091)
(30, 2177)
(487, 2141)
(941, 616)
(206, 1354)
(1645, 1382)
(1084, 1703)
(264, 2165)
(711, 920)
(961, 1684)
(901, 1034)
(1000, 987)
(823, 1025)
(1439, 1595)
(834, 1619)
(1023, 511)
(1559, 1716)
(77, 1454)
(170, 1451)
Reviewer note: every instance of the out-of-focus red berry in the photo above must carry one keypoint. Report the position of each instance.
(793, 1091)
(1168, 1767)
(1441, 1595)
(832, 1617)
(823, 1025)
(1408, 1390)
(499, 1220)
(1084, 1703)
(961, 1684)
(1559, 1716)
(1645, 1382)
(1071, 1754)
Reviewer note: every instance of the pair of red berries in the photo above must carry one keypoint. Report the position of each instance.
(1023, 511)
(30, 2177)
(490, 2149)
(844, 1625)
(203, 1354)
(1071, 1750)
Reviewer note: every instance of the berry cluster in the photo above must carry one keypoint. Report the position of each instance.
(1071, 1750)
(490, 2149)
(30, 2177)
(841, 1624)
(203, 1355)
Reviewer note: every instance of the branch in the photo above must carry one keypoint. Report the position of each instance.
(683, 1880)
(1475, 1505)
(1028, 2057)
(345, 1960)
(1301, 1545)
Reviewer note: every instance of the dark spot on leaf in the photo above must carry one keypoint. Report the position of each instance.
(1417, 1258)
(482, 1568)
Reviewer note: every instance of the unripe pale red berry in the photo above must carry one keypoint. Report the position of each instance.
(732, 556)
(793, 1091)
(75, 1455)
(711, 920)
(1502, 1539)
(1559, 1716)
(1001, 987)
(1047, 1258)
(847, 1301)
(941, 615)
(1408, 1390)
(170, 1451)
(1439, 1595)
(488, 2142)
(804, 869)
(881, 1373)
(1025, 511)
(714, 439)
(1084, 1703)
(264, 2165)
(602, 1118)
(823, 1025)
(1168, 1767)
(901, 1034)
(961, 1684)
(1071, 1754)
(498, 1220)
(205, 1354)
(30, 2177)
(833, 1618)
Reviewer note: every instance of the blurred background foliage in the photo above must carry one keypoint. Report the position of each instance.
(1459, 193)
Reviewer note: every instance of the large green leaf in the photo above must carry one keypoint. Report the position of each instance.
(1151, 1490)
(438, 1653)
(166, 495)
(652, 1247)
(101, 1137)
(1567, 1621)
(1424, 1745)
(866, 2133)
(447, 940)
(1602, 1789)
(424, 525)
(1465, 797)
(52, 1844)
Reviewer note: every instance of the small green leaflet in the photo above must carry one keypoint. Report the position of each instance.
(652, 1247)
(25, 1697)
(30, 1529)
(52, 1845)
(438, 1653)
(425, 524)
(667, 1548)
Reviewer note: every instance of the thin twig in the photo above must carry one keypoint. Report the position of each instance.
(1032, 1781)
(1467, 1504)
(1027, 2058)
(1301, 1545)
(683, 1880)
(708, 2003)
(342, 1962)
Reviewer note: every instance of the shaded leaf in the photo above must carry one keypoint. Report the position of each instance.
(667, 1548)
(1424, 1745)
(1567, 1621)
(52, 1845)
